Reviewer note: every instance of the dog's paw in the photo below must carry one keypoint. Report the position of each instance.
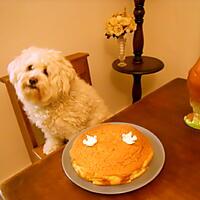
(49, 148)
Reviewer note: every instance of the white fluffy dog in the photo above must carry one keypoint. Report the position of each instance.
(54, 97)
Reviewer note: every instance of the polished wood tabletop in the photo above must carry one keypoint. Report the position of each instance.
(162, 113)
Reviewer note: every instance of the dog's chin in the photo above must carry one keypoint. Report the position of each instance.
(35, 95)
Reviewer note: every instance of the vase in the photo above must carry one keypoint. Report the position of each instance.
(122, 45)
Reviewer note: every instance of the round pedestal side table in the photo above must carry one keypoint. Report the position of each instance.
(148, 65)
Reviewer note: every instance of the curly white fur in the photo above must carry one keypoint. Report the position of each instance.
(54, 97)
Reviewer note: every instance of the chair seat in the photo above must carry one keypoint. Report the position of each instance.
(38, 151)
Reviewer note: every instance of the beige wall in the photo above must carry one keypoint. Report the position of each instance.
(172, 33)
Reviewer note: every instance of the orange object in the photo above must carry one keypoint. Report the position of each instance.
(193, 82)
(111, 161)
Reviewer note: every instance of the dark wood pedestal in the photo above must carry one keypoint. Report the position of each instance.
(148, 65)
(137, 65)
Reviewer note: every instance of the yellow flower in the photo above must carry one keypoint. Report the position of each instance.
(119, 19)
(118, 30)
(125, 21)
(113, 21)
(131, 26)
(119, 24)
(109, 30)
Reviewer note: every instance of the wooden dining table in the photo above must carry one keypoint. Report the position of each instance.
(162, 113)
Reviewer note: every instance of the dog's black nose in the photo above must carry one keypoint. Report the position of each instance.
(33, 81)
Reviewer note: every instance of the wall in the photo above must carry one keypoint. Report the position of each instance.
(172, 33)
(171, 30)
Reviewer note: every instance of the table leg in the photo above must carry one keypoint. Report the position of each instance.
(137, 88)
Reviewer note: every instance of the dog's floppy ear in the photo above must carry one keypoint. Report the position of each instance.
(67, 74)
(12, 71)
(15, 66)
(69, 69)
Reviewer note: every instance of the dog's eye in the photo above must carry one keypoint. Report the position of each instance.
(45, 72)
(30, 67)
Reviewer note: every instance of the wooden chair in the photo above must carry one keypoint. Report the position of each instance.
(33, 137)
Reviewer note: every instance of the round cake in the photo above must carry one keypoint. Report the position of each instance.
(111, 154)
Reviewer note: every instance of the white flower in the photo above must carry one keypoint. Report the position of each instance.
(128, 138)
(90, 140)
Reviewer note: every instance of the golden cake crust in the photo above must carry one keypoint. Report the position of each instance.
(111, 161)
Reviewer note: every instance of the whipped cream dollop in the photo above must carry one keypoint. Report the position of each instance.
(129, 138)
(90, 140)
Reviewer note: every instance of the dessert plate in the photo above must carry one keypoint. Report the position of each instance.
(154, 169)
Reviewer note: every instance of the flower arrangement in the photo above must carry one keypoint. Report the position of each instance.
(119, 24)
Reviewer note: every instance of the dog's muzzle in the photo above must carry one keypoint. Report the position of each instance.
(32, 82)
